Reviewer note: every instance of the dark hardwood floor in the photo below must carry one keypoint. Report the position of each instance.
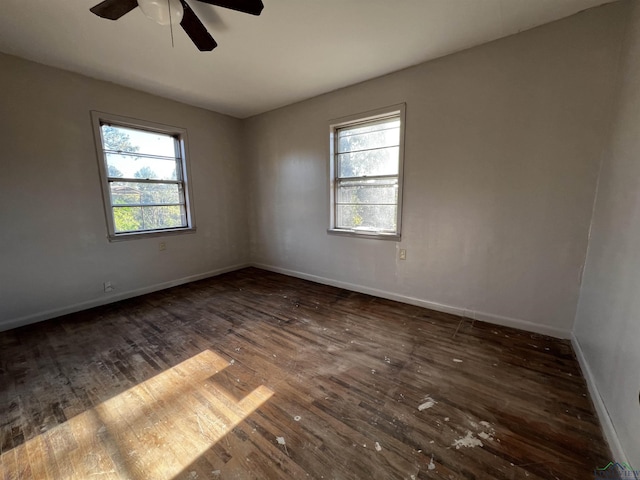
(255, 375)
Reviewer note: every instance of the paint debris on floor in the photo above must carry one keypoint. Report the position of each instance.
(427, 402)
(484, 431)
(468, 441)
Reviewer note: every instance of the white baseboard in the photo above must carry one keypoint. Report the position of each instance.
(476, 315)
(96, 302)
(608, 429)
(482, 316)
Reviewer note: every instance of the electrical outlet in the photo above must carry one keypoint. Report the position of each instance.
(162, 246)
(108, 287)
(403, 254)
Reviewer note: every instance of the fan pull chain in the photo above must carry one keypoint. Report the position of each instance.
(170, 22)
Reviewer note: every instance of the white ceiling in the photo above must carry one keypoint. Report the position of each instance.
(295, 50)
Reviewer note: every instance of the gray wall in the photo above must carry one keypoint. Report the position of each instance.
(502, 151)
(608, 321)
(54, 252)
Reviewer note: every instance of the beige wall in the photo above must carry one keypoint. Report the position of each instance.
(502, 154)
(503, 144)
(54, 252)
(608, 322)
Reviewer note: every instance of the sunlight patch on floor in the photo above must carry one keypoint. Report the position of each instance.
(153, 430)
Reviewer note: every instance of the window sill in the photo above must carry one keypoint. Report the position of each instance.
(395, 237)
(152, 234)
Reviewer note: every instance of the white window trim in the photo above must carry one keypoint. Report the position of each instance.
(97, 118)
(334, 125)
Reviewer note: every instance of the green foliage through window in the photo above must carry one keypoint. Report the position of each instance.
(145, 183)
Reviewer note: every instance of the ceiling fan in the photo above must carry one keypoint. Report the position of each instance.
(180, 11)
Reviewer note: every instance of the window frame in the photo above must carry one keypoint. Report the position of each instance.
(398, 111)
(180, 134)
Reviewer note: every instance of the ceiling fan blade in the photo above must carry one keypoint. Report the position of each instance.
(197, 32)
(114, 9)
(254, 7)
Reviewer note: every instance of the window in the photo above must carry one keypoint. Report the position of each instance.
(366, 173)
(143, 167)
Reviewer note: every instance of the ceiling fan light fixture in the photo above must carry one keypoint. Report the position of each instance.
(163, 12)
(175, 12)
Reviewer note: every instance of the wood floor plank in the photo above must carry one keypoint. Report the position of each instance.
(257, 375)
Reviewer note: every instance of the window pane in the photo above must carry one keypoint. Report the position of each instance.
(136, 219)
(373, 126)
(369, 163)
(378, 191)
(123, 139)
(366, 170)
(123, 193)
(379, 135)
(366, 217)
(132, 166)
(145, 185)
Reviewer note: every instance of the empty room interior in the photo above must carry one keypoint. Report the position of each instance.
(378, 239)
